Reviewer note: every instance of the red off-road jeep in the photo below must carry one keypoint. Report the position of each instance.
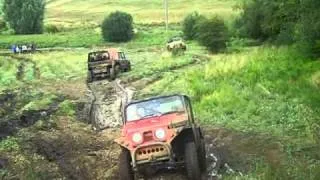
(160, 133)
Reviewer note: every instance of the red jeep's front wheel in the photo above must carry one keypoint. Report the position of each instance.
(125, 169)
(192, 161)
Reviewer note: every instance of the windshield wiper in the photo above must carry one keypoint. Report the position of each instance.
(170, 112)
(146, 116)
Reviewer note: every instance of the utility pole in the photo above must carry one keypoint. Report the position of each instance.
(166, 14)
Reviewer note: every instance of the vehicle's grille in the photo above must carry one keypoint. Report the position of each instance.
(147, 136)
(150, 150)
(152, 153)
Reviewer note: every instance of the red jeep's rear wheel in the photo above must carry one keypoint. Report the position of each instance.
(90, 76)
(192, 161)
(125, 169)
(202, 156)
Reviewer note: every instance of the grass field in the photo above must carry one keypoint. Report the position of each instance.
(146, 12)
(88, 37)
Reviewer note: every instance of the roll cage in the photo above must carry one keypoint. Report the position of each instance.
(185, 99)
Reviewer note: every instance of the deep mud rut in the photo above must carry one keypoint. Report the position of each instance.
(107, 100)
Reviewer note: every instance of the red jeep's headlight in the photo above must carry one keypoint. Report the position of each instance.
(160, 133)
(137, 138)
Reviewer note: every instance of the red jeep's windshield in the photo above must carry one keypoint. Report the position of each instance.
(154, 107)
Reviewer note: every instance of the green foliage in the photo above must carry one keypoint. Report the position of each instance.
(266, 90)
(9, 144)
(67, 108)
(283, 22)
(25, 17)
(308, 28)
(8, 69)
(213, 34)
(3, 25)
(189, 26)
(268, 19)
(117, 27)
(51, 28)
(74, 38)
(42, 102)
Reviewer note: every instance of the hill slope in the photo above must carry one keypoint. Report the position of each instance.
(143, 12)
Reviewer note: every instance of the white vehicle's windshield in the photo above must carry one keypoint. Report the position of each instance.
(155, 107)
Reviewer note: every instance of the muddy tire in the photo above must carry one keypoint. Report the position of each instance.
(125, 170)
(192, 161)
(202, 156)
(127, 69)
(112, 73)
(89, 77)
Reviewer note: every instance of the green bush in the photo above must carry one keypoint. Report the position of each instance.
(283, 22)
(189, 25)
(267, 19)
(51, 28)
(25, 17)
(308, 28)
(3, 25)
(117, 27)
(249, 23)
(213, 34)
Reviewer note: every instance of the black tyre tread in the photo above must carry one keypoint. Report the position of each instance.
(89, 77)
(125, 170)
(192, 161)
(202, 156)
(112, 73)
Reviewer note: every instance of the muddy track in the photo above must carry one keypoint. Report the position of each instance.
(11, 122)
(79, 153)
(158, 74)
(107, 99)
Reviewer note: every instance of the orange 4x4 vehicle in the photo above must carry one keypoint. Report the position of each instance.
(107, 63)
(160, 133)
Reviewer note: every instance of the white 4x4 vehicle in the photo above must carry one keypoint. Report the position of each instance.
(176, 42)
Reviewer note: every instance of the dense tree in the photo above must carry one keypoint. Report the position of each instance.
(212, 33)
(117, 27)
(308, 28)
(24, 17)
(283, 22)
(189, 25)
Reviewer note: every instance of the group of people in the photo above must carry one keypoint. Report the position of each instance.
(23, 48)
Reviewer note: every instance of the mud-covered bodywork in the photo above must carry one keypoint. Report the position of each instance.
(176, 43)
(156, 130)
(107, 63)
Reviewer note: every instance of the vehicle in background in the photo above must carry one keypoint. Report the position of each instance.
(106, 64)
(176, 43)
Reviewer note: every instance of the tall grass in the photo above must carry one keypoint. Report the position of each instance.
(64, 65)
(73, 38)
(8, 71)
(266, 90)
